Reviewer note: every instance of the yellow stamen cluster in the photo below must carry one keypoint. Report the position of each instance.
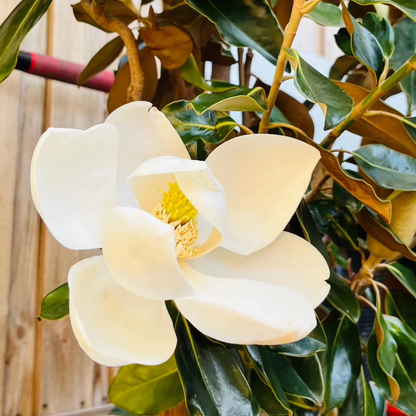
(176, 210)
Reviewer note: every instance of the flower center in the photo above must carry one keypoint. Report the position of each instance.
(176, 210)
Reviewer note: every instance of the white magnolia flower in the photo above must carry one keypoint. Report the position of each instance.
(213, 241)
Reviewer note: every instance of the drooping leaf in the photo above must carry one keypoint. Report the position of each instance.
(387, 168)
(364, 44)
(147, 390)
(15, 28)
(243, 24)
(265, 363)
(376, 226)
(319, 89)
(405, 33)
(313, 343)
(112, 7)
(190, 73)
(342, 360)
(360, 401)
(406, 6)
(342, 298)
(326, 14)
(55, 305)
(238, 99)
(213, 379)
(335, 221)
(101, 60)
(404, 276)
(170, 44)
(211, 127)
(401, 304)
(382, 31)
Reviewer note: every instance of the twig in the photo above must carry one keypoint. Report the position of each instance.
(290, 34)
(286, 126)
(365, 300)
(309, 6)
(247, 67)
(97, 11)
(245, 129)
(382, 113)
(241, 72)
(315, 190)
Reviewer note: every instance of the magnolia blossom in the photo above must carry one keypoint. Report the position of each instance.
(208, 235)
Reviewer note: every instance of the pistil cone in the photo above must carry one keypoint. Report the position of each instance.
(403, 224)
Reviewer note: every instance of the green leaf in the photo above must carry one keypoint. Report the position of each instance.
(343, 40)
(404, 35)
(190, 73)
(211, 127)
(55, 305)
(401, 304)
(147, 390)
(343, 198)
(265, 362)
(342, 360)
(381, 407)
(313, 343)
(335, 221)
(212, 376)
(115, 411)
(338, 256)
(404, 275)
(360, 401)
(319, 89)
(244, 24)
(238, 99)
(406, 6)
(382, 31)
(15, 28)
(197, 149)
(342, 298)
(326, 14)
(364, 44)
(101, 60)
(388, 168)
(342, 66)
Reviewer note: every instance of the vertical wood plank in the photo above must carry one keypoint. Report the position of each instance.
(22, 298)
(69, 379)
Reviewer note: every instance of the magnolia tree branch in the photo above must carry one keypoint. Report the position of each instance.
(97, 11)
(361, 108)
(289, 36)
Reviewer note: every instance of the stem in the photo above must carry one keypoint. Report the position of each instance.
(372, 113)
(96, 10)
(241, 72)
(370, 100)
(247, 67)
(290, 34)
(309, 6)
(366, 272)
(365, 300)
(245, 129)
(315, 190)
(286, 126)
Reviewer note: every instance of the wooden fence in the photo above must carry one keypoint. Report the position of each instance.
(42, 369)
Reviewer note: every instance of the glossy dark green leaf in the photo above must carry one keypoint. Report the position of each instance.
(360, 400)
(191, 74)
(197, 149)
(310, 230)
(406, 6)
(265, 363)
(313, 343)
(409, 124)
(238, 99)
(402, 305)
(244, 24)
(101, 60)
(404, 275)
(387, 168)
(364, 44)
(342, 298)
(338, 256)
(213, 378)
(147, 390)
(382, 31)
(404, 34)
(211, 127)
(326, 14)
(381, 405)
(343, 198)
(335, 221)
(15, 28)
(343, 40)
(342, 360)
(55, 305)
(321, 90)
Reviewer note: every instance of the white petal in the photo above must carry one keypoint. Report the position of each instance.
(73, 181)
(288, 261)
(113, 325)
(195, 180)
(264, 177)
(248, 312)
(144, 133)
(140, 254)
